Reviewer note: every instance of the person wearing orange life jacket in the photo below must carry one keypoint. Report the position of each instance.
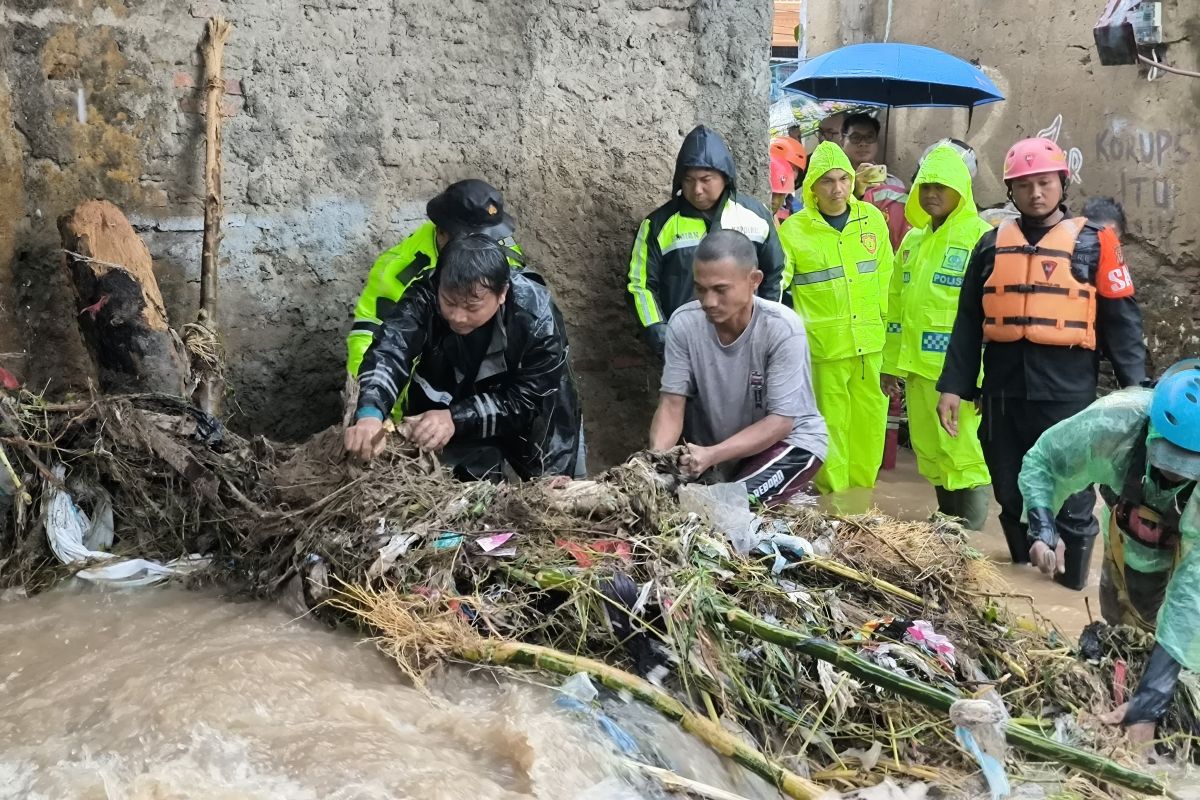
(1039, 308)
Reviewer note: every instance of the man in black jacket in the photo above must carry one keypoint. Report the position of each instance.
(477, 355)
(704, 197)
(1043, 297)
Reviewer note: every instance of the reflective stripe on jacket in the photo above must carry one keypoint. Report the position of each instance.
(1032, 294)
(660, 267)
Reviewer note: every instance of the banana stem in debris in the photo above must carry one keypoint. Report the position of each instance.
(1020, 737)
(504, 653)
(840, 569)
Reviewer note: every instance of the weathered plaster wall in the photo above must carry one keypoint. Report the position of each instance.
(344, 117)
(1133, 139)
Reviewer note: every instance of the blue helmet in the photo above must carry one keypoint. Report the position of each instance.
(1175, 420)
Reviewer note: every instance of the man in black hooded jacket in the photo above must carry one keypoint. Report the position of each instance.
(477, 358)
(704, 198)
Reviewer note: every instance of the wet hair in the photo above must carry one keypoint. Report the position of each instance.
(1102, 210)
(723, 244)
(860, 119)
(469, 261)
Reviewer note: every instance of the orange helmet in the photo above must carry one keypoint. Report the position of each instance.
(783, 176)
(789, 150)
(1035, 157)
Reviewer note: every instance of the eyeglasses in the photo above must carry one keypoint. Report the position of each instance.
(830, 133)
(862, 138)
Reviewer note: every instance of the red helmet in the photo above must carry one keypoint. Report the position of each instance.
(1035, 157)
(783, 176)
(790, 150)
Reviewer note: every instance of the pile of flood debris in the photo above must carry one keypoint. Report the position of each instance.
(821, 652)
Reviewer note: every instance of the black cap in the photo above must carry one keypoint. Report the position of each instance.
(471, 206)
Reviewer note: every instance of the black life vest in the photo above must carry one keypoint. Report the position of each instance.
(1157, 528)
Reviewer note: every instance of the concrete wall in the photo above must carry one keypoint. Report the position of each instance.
(345, 116)
(1135, 140)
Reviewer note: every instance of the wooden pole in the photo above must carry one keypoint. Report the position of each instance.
(208, 393)
(214, 51)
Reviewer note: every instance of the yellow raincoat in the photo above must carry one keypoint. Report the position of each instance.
(839, 286)
(923, 303)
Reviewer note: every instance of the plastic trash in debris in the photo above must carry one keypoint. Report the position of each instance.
(447, 540)
(396, 546)
(577, 694)
(584, 554)
(75, 538)
(922, 633)
(979, 726)
(727, 507)
(488, 544)
(580, 687)
(777, 540)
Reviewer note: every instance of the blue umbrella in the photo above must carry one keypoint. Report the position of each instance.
(894, 75)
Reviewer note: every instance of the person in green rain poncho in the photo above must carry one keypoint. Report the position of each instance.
(929, 273)
(1141, 447)
(839, 267)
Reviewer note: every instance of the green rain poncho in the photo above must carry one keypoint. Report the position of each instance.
(1096, 447)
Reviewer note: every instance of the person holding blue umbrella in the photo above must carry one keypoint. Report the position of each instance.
(872, 182)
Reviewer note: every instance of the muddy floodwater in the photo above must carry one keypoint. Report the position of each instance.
(163, 694)
(904, 494)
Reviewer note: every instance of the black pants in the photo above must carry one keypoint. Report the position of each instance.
(1007, 431)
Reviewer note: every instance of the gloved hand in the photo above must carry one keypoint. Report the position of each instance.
(1045, 548)
(1153, 696)
(656, 337)
(1150, 702)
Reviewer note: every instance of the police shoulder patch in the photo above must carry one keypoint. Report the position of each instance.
(955, 259)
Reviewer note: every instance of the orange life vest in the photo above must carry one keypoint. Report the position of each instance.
(1031, 293)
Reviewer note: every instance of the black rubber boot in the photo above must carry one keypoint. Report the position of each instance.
(947, 502)
(973, 506)
(1077, 559)
(1016, 537)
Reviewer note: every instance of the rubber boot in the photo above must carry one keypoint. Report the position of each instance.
(973, 506)
(1077, 559)
(947, 502)
(1018, 543)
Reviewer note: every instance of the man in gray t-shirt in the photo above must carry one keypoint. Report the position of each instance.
(737, 383)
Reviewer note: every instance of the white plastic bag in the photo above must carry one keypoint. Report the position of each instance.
(76, 538)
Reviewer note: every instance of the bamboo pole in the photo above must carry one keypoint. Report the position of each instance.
(504, 653)
(1027, 740)
(208, 393)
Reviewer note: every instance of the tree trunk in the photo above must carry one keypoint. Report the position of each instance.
(120, 308)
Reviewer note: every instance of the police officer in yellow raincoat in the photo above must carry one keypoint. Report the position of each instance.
(1142, 449)
(929, 272)
(839, 269)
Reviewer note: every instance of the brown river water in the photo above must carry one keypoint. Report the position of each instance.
(163, 694)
